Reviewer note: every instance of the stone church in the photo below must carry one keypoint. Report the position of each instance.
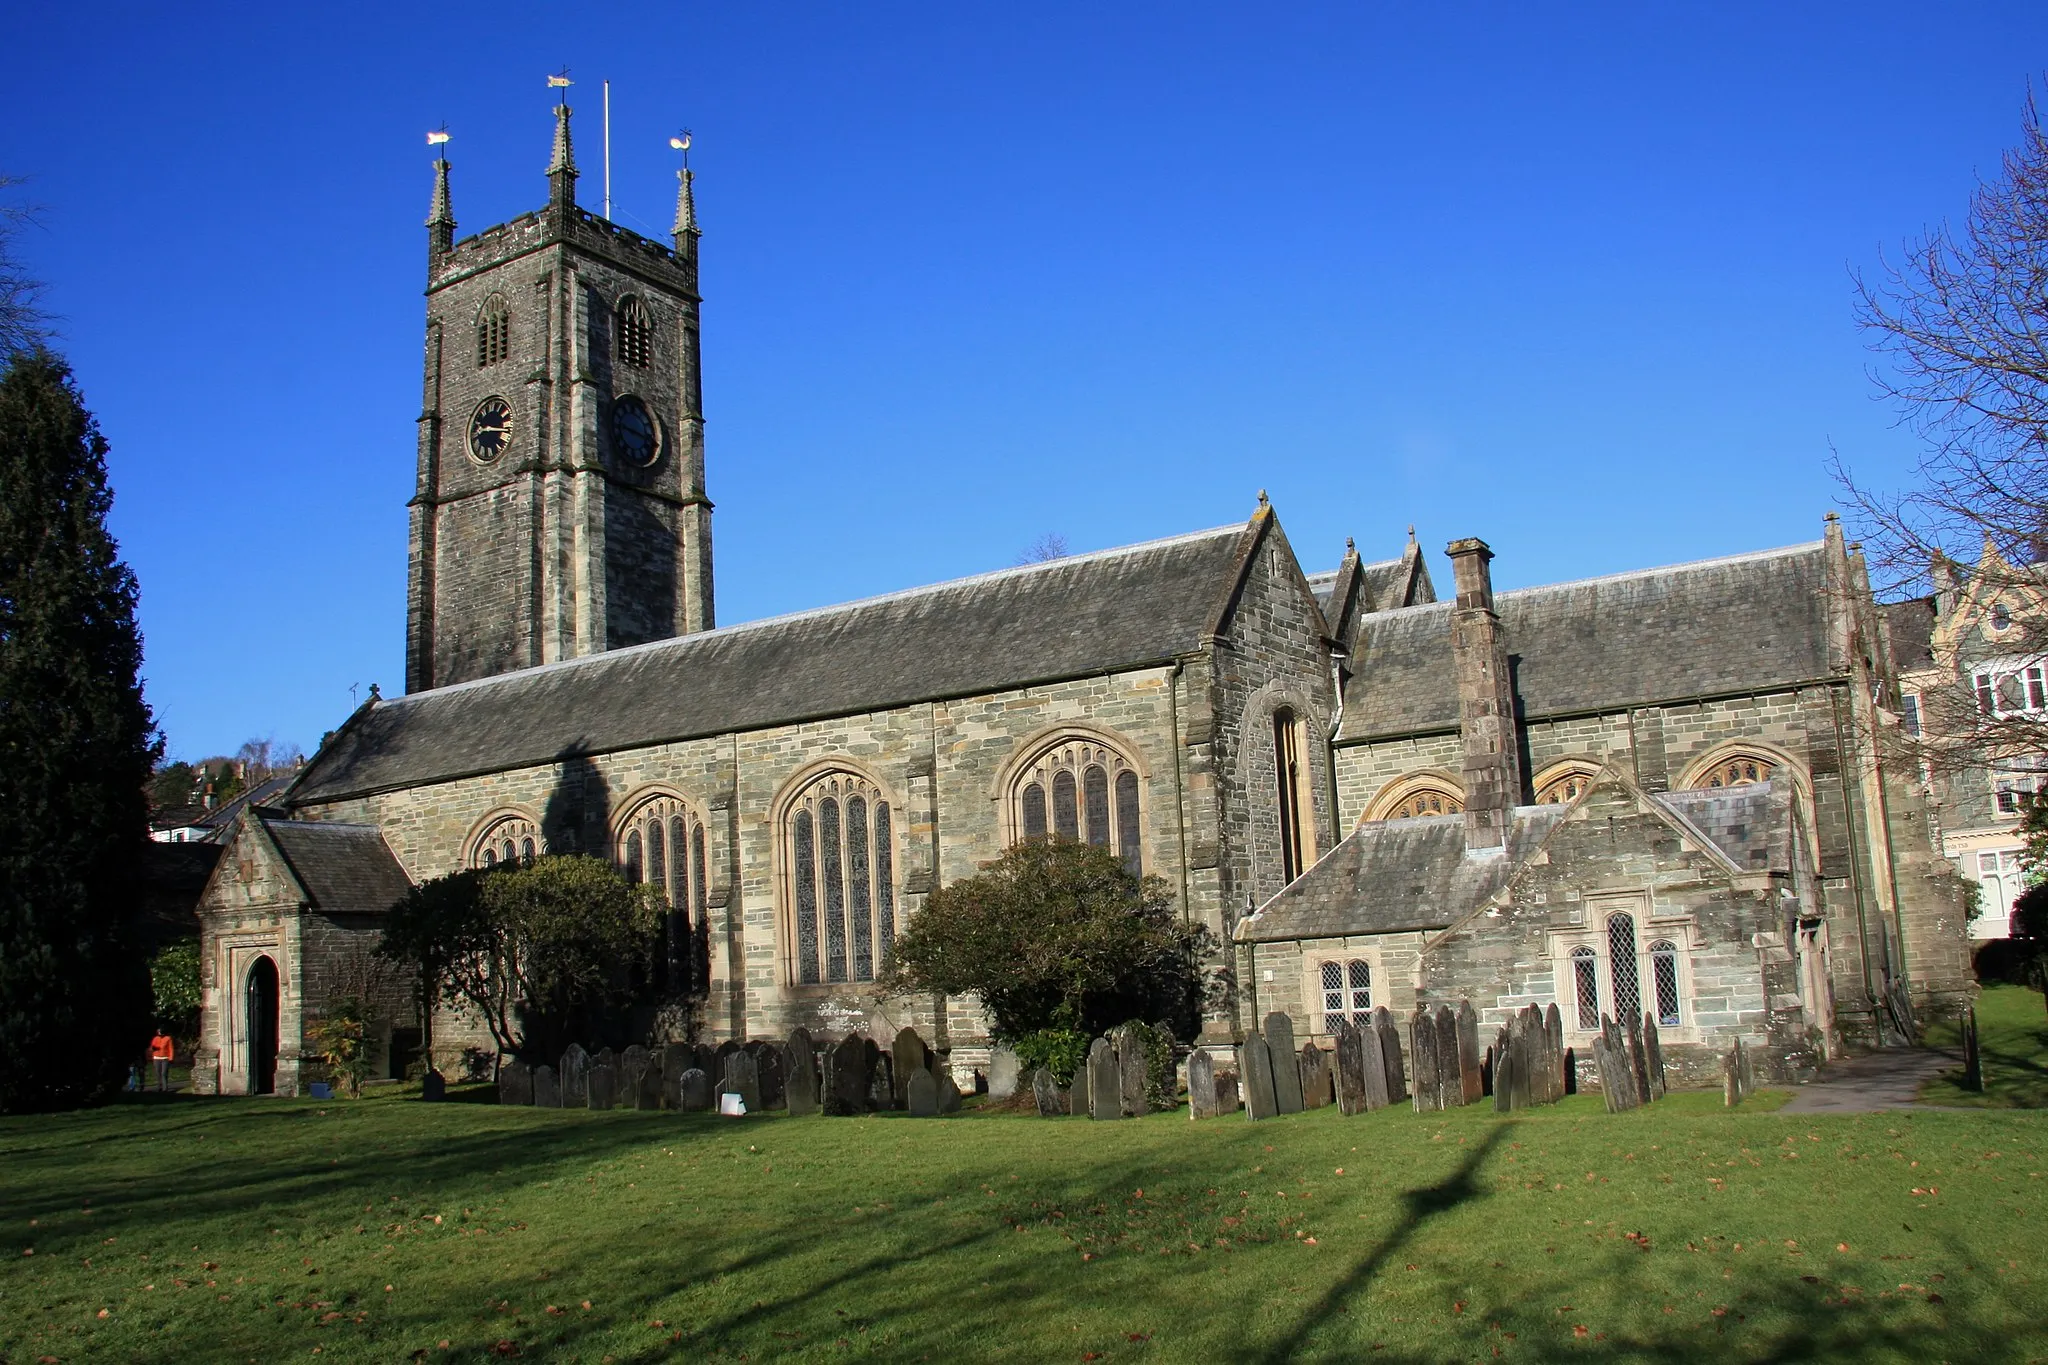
(1660, 791)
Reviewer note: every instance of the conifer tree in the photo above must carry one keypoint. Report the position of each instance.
(77, 746)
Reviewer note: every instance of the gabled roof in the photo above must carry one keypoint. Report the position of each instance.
(1753, 622)
(1133, 607)
(343, 869)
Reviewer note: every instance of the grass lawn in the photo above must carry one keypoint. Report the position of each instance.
(2012, 1039)
(194, 1229)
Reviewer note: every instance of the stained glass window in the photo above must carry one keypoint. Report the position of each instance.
(505, 842)
(1034, 811)
(1622, 969)
(835, 890)
(857, 885)
(1730, 772)
(1563, 790)
(700, 953)
(841, 870)
(657, 859)
(1082, 788)
(1095, 787)
(885, 882)
(806, 879)
(1664, 968)
(1586, 988)
(1127, 828)
(526, 849)
(1427, 801)
(1066, 819)
(633, 857)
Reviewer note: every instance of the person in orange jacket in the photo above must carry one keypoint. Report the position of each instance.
(161, 1051)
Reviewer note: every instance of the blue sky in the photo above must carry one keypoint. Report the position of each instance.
(1574, 279)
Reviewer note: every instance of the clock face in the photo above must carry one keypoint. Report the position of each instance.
(490, 429)
(634, 434)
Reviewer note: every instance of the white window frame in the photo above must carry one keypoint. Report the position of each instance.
(2010, 686)
(1593, 934)
(1334, 951)
(1999, 883)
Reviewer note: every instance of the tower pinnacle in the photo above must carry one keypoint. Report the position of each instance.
(686, 208)
(441, 217)
(562, 165)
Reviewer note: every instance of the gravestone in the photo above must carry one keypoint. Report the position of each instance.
(1450, 1078)
(1104, 1094)
(1201, 1085)
(800, 1081)
(949, 1090)
(602, 1085)
(768, 1068)
(909, 1055)
(693, 1088)
(647, 1093)
(1279, 1035)
(1503, 1077)
(848, 1077)
(1390, 1053)
(707, 1059)
(604, 1056)
(1314, 1064)
(1255, 1069)
(574, 1077)
(515, 1082)
(1050, 1098)
(1002, 1074)
(1653, 1056)
(1474, 1084)
(1422, 1044)
(1077, 1090)
(632, 1062)
(1349, 1073)
(1373, 1063)
(1553, 1029)
(921, 1095)
(1226, 1094)
(676, 1058)
(881, 1082)
(547, 1091)
(742, 1078)
(433, 1087)
(1131, 1072)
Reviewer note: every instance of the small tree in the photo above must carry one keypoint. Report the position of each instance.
(342, 1038)
(1057, 939)
(174, 981)
(540, 951)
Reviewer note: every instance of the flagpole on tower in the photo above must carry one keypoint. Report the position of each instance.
(607, 151)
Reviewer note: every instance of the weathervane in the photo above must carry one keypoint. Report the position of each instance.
(560, 81)
(438, 137)
(681, 142)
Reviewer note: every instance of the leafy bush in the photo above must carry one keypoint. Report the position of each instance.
(1062, 1051)
(174, 980)
(341, 1039)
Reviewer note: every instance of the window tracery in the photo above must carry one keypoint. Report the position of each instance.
(636, 333)
(1604, 969)
(1346, 991)
(842, 892)
(1416, 794)
(1078, 789)
(1428, 801)
(493, 332)
(507, 842)
(1737, 769)
(662, 844)
(1564, 788)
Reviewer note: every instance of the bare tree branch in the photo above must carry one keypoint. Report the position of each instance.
(23, 323)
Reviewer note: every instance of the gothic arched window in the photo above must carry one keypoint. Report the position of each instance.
(1561, 789)
(1081, 788)
(841, 857)
(1428, 801)
(1290, 778)
(1621, 961)
(636, 333)
(1737, 769)
(662, 844)
(506, 842)
(493, 332)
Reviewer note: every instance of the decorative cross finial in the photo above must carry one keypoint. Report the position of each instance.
(1262, 498)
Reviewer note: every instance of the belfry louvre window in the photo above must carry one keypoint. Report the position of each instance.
(1082, 789)
(662, 844)
(508, 842)
(841, 879)
(636, 333)
(1347, 992)
(493, 332)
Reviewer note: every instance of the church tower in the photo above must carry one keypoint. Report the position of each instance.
(560, 507)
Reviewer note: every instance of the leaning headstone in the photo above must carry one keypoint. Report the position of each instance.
(602, 1086)
(949, 1090)
(1374, 1064)
(647, 1094)
(1314, 1064)
(515, 1082)
(1422, 1044)
(1255, 1072)
(1279, 1035)
(575, 1077)
(1468, 1053)
(1449, 1078)
(848, 1077)
(433, 1086)
(1553, 1058)
(921, 1095)
(1349, 1074)
(800, 1085)
(1131, 1072)
(742, 1078)
(909, 1055)
(1051, 1100)
(1653, 1057)
(693, 1088)
(632, 1062)
(1104, 1094)
(768, 1059)
(1201, 1085)
(547, 1091)
(1002, 1073)
(1503, 1077)
(1390, 1053)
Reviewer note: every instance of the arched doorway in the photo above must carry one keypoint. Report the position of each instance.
(261, 1006)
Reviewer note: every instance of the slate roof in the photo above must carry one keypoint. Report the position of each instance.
(1395, 875)
(1751, 622)
(1911, 626)
(1074, 617)
(344, 868)
(1747, 822)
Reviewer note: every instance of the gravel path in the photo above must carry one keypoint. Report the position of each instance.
(1882, 1080)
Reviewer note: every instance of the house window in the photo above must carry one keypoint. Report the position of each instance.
(2011, 691)
(661, 844)
(1080, 789)
(842, 892)
(507, 842)
(1346, 991)
(1605, 970)
(1999, 883)
(636, 333)
(493, 332)
(1288, 774)
(1909, 713)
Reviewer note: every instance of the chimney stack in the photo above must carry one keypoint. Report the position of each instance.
(1486, 704)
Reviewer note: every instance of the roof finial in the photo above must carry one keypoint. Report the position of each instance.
(1350, 545)
(1411, 533)
(441, 216)
(562, 165)
(1262, 498)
